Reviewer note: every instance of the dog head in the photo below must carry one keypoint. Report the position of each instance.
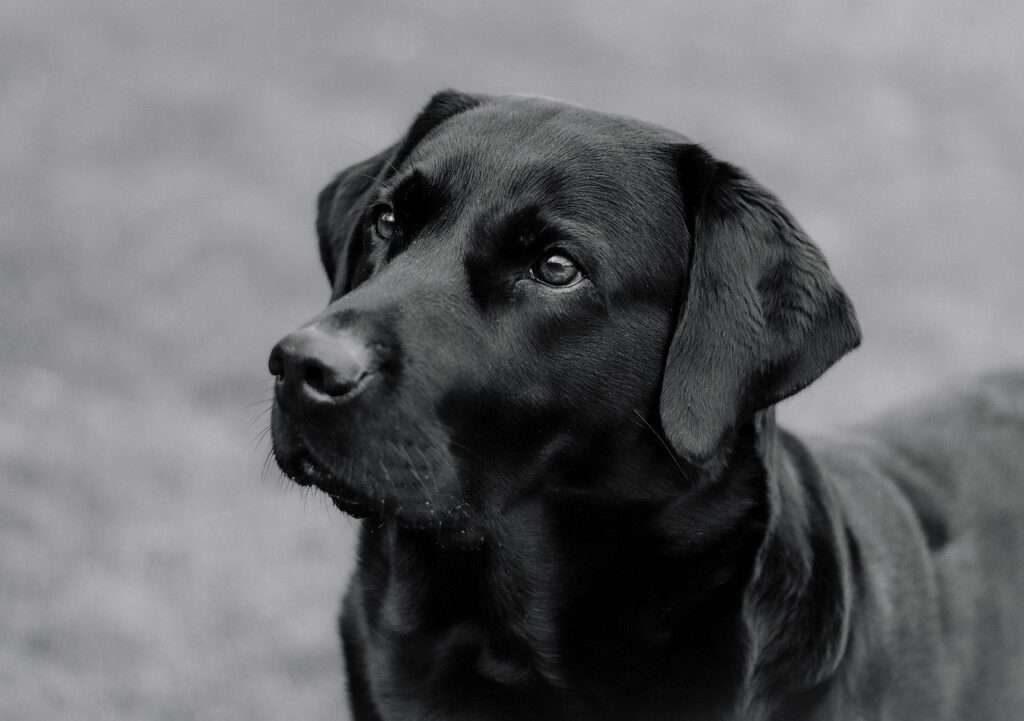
(529, 297)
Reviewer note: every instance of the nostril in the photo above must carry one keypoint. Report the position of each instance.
(313, 375)
(338, 386)
(275, 364)
(334, 382)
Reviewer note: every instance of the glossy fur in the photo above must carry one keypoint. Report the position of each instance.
(577, 503)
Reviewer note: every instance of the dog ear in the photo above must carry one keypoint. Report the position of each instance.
(762, 316)
(339, 207)
(343, 201)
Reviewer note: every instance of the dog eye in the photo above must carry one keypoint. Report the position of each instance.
(557, 270)
(384, 223)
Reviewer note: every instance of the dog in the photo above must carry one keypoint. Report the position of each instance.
(546, 378)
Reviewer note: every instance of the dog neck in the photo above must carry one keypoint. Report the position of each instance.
(605, 601)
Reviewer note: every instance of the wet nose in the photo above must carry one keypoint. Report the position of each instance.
(313, 367)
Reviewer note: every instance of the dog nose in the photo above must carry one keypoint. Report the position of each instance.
(313, 366)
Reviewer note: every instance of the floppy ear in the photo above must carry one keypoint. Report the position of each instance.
(339, 207)
(762, 318)
(341, 204)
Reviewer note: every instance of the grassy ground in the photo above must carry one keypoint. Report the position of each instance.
(158, 164)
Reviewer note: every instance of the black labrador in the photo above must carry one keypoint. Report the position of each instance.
(546, 378)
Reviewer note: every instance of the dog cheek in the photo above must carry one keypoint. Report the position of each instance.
(615, 367)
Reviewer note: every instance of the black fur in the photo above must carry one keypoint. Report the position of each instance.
(763, 317)
(578, 504)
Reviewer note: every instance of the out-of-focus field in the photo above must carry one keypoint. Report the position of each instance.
(158, 166)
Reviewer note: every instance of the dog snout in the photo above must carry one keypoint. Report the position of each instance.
(315, 367)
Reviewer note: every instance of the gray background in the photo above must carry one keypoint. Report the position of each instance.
(158, 167)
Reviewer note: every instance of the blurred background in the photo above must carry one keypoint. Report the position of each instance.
(158, 168)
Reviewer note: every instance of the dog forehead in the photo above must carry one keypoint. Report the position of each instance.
(521, 140)
(610, 179)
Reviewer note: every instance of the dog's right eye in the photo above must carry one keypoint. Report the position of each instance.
(556, 270)
(383, 222)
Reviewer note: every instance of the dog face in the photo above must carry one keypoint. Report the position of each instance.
(529, 298)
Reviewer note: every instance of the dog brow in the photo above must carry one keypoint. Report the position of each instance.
(417, 198)
(522, 227)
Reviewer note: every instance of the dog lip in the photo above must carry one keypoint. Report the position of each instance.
(303, 467)
(299, 462)
(351, 508)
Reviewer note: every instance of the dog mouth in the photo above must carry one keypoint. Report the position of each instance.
(412, 497)
(300, 465)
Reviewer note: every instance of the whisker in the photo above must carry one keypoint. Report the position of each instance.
(387, 476)
(261, 436)
(412, 469)
(348, 471)
(261, 433)
(260, 415)
(259, 401)
(267, 464)
(664, 443)
(426, 462)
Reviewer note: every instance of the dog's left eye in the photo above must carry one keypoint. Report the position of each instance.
(384, 223)
(557, 270)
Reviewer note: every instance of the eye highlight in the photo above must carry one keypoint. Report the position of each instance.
(556, 270)
(383, 222)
